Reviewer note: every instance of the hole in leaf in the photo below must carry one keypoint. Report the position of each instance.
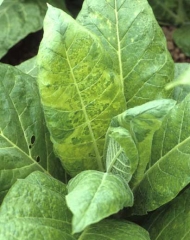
(30, 146)
(32, 140)
(38, 159)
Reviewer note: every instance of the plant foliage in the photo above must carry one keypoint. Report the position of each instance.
(93, 106)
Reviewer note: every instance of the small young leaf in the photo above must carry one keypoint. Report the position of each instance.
(95, 195)
(169, 165)
(35, 209)
(121, 153)
(80, 92)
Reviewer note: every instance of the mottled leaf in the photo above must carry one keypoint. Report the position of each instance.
(24, 140)
(114, 230)
(19, 18)
(169, 165)
(96, 195)
(139, 124)
(171, 221)
(80, 92)
(132, 37)
(35, 209)
(121, 153)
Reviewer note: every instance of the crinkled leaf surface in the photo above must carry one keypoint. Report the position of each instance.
(172, 221)
(121, 153)
(29, 67)
(94, 195)
(138, 124)
(114, 230)
(131, 35)
(19, 18)
(35, 209)
(80, 92)
(169, 165)
(24, 140)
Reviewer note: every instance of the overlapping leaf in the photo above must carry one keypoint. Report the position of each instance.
(114, 230)
(171, 11)
(35, 209)
(121, 154)
(94, 196)
(131, 35)
(133, 130)
(24, 140)
(181, 83)
(169, 165)
(172, 221)
(80, 92)
(19, 18)
(29, 67)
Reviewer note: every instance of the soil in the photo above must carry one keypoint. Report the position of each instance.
(28, 47)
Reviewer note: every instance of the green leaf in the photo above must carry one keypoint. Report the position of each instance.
(121, 152)
(24, 140)
(133, 39)
(171, 11)
(181, 37)
(35, 209)
(114, 230)
(138, 124)
(80, 92)
(169, 165)
(1, 1)
(171, 221)
(29, 67)
(19, 18)
(180, 84)
(95, 195)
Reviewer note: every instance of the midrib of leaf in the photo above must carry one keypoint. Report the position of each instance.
(119, 47)
(98, 157)
(94, 196)
(20, 150)
(158, 162)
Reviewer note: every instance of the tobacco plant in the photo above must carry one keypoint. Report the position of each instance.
(94, 140)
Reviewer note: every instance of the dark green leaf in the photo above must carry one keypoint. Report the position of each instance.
(24, 140)
(169, 166)
(35, 209)
(114, 230)
(18, 18)
(181, 37)
(171, 221)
